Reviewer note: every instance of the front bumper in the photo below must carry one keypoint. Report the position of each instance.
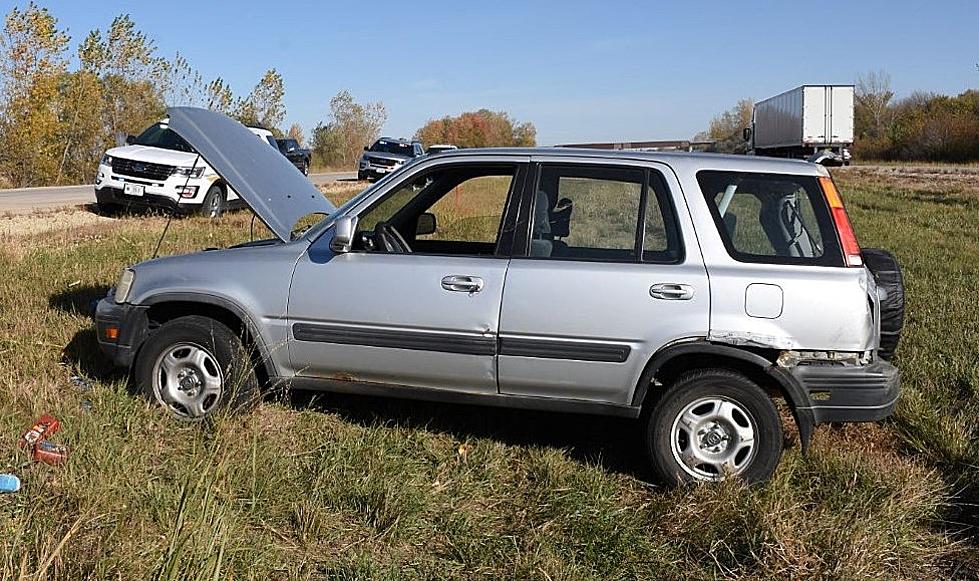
(131, 326)
(110, 195)
(863, 393)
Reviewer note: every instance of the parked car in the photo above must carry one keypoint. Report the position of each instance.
(439, 148)
(298, 155)
(689, 292)
(159, 169)
(385, 156)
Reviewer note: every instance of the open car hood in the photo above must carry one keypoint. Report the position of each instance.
(273, 187)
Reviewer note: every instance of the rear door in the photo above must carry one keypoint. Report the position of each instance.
(608, 274)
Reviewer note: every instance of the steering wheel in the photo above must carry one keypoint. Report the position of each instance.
(389, 239)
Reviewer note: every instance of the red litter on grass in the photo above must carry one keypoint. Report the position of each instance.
(42, 428)
(50, 453)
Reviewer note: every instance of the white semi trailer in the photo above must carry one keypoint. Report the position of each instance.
(803, 122)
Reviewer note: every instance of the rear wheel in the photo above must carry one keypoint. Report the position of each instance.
(887, 274)
(713, 424)
(194, 366)
(213, 205)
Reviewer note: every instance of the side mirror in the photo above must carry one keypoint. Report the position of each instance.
(426, 224)
(130, 139)
(343, 234)
(746, 133)
(366, 148)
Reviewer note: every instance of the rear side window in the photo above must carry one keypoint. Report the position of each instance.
(771, 218)
(618, 214)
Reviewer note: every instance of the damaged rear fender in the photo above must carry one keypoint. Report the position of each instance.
(682, 357)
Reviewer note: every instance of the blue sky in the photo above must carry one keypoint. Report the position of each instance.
(580, 71)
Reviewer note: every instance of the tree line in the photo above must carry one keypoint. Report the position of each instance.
(56, 121)
(58, 115)
(923, 126)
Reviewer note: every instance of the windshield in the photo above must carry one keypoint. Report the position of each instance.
(161, 136)
(393, 147)
(287, 144)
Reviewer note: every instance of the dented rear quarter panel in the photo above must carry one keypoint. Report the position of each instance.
(824, 308)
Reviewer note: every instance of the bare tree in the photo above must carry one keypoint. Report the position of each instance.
(296, 132)
(873, 96)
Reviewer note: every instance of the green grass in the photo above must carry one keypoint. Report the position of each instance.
(351, 488)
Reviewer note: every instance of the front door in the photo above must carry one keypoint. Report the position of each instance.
(605, 282)
(417, 300)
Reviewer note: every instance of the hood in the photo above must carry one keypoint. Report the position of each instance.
(385, 155)
(153, 155)
(273, 188)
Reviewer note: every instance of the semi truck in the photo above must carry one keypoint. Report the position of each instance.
(811, 121)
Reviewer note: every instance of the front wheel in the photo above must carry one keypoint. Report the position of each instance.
(213, 205)
(305, 168)
(713, 424)
(194, 366)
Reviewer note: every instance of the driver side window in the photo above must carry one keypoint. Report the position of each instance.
(455, 210)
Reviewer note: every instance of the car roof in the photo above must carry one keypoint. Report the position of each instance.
(677, 159)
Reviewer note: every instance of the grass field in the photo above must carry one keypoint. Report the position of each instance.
(349, 488)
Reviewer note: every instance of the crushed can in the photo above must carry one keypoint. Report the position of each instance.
(42, 428)
(50, 453)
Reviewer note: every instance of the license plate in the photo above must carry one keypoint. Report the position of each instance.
(133, 189)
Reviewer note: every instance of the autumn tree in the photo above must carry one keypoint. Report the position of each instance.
(134, 78)
(726, 130)
(81, 132)
(264, 105)
(482, 128)
(351, 127)
(219, 96)
(185, 84)
(32, 62)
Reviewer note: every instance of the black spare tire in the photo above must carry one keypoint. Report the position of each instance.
(887, 273)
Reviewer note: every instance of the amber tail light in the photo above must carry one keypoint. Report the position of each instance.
(848, 240)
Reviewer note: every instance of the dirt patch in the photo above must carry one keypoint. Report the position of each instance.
(20, 225)
(938, 179)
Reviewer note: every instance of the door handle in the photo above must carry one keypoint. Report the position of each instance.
(670, 291)
(462, 283)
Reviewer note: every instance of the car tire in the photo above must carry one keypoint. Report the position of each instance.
(195, 366)
(711, 424)
(887, 274)
(213, 205)
(305, 168)
(361, 176)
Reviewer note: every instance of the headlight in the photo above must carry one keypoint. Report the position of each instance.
(125, 284)
(106, 160)
(191, 172)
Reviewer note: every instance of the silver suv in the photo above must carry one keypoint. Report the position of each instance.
(691, 292)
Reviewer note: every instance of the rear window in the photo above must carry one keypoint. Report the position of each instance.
(771, 218)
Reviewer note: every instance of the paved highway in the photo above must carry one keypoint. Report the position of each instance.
(23, 200)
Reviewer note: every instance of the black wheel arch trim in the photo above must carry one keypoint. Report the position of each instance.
(226, 303)
(795, 394)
